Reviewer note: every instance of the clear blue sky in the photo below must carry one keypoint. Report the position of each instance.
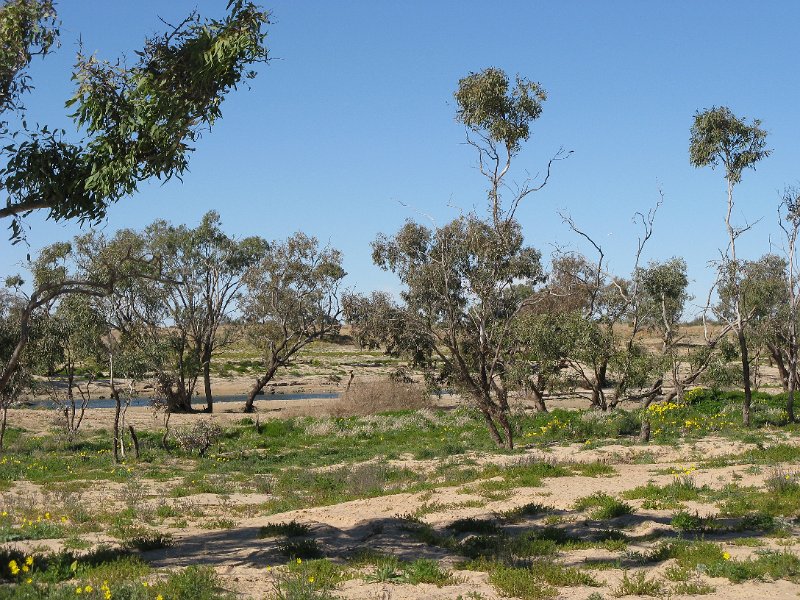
(353, 119)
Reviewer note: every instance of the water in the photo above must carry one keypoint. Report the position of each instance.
(199, 402)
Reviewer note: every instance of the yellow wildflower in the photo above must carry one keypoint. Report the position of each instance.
(29, 561)
(299, 561)
(88, 589)
(12, 566)
(726, 556)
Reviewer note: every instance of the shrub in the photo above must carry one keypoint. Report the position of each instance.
(380, 396)
(684, 521)
(290, 529)
(193, 583)
(199, 437)
(605, 507)
(639, 585)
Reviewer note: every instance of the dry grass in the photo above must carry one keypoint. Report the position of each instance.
(380, 396)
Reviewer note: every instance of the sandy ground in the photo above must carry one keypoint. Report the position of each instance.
(240, 556)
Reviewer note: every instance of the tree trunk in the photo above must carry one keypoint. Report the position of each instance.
(776, 357)
(602, 375)
(538, 399)
(598, 398)
(165, 437)
(135, 439)
(792, 375)
(493, 432)
(507, 430)
(70, 411)
(207, 378)
(3, 425)
(644, 431)
(117, 410)
(748, 394)
(259, 385)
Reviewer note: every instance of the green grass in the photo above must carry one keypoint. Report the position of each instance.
(537, 581)
(639, 584)
(603, 506)
(302, 548)
(679, 490)
(390, 569)
(473, 525)
(594, 469)
(713, 560)
(290, 529)
(694, 523)
(60, 576)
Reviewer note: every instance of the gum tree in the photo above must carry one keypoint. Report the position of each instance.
(466, 282)
(720, 138)
(204, 272)
(291, 300)
(790, 225)
(137, 122)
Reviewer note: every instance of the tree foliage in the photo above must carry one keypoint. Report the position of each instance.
(139, 120)
(292, 300)
(718, 137)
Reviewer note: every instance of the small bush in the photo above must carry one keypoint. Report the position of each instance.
(300, 548)
(684, 521)
(473, 525)
(199, 437)
(520, 583)
(424, 570)
(380, 396)
(594, 469)
(290, 529)
(605, 507)
(638, 585)
(515, 515)
(135, 537)
(193, 583)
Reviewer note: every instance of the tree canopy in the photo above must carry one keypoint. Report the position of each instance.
(135, 122)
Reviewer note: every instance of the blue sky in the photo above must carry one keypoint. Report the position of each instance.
(350, 129)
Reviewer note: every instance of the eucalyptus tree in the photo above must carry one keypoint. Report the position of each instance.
(541, 343)
(761, 293)
(663, 287)
(54, 276)
(129, 317)
(75, 331)
(204, 272)
(461, 280)
(720, 138)
(595, 303)
(369, 317)
(377, 320)
(790, 225)
(19, 379)
(59, 272)
(136, 122)
(291, 300)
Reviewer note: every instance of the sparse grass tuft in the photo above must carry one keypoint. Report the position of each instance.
(290, 529)
(639, 585)
(604, 506)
